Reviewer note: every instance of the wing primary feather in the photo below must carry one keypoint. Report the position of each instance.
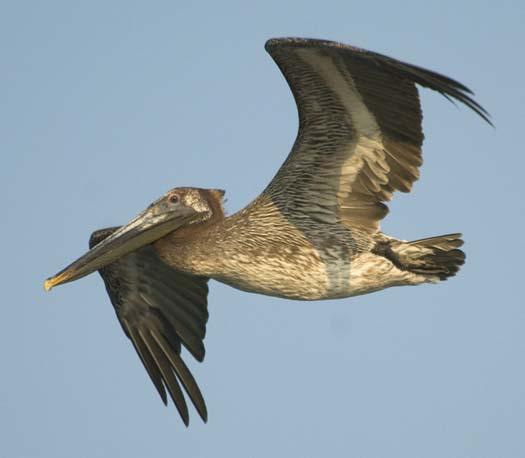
(179, 314)
(147, 361)
(175, 333)
(167, 374)
(189, 339)
(444, 85)
(185, 376)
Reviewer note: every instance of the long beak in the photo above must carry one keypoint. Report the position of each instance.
(149, 226)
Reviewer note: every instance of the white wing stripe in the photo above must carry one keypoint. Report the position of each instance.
(367, 143)
(343, 85)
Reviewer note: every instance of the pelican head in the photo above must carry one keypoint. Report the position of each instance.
(178, 208)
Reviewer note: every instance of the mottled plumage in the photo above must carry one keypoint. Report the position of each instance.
(312, 234)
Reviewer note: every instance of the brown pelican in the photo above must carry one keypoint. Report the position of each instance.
(312, 234)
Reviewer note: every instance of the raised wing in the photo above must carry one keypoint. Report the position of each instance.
(360, 133)
(159, 308)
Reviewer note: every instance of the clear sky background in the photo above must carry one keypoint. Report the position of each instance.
(107, 105)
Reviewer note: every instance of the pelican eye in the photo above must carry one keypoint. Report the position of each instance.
(174, 199)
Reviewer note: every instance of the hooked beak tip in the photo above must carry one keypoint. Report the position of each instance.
(48, 284)
(56, 280)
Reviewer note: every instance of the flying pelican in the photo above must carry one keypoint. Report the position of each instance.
(312, 234)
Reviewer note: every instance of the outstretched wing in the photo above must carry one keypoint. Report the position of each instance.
(159, 308)
(360, 133)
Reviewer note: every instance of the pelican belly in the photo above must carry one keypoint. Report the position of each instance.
(314, 280)
(287, 276)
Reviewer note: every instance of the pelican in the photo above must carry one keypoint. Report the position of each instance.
(312, 234)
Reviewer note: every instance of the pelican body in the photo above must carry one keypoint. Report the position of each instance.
(260, 250)
(312, 234)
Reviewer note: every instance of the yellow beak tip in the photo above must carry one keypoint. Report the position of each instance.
(48, 284)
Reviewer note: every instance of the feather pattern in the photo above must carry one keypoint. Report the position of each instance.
(360, 132)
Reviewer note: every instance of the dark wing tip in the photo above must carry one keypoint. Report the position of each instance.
(158, 347)
(446, 86)
(183, 373)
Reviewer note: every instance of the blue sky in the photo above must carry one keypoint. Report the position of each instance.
(106, 105)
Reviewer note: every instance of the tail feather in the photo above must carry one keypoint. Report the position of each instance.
(437, 258)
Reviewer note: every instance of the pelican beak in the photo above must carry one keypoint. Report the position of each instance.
(152, 224)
